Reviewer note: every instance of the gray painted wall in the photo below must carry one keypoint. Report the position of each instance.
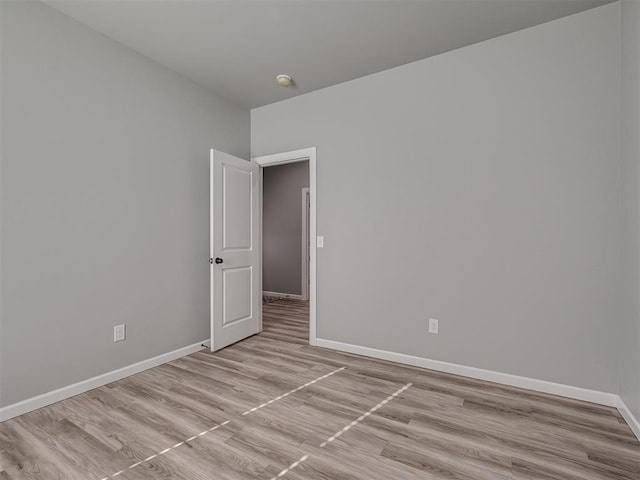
(104, 202)
(630, 175)
(479, 187)
(282, 227)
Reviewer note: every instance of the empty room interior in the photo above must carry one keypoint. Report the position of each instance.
(340, 240)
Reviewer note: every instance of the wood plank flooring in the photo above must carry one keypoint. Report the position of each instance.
(272, 405)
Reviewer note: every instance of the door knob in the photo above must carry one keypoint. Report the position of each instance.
(219, 260)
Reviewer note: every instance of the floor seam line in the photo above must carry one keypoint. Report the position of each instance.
(226, 422)
(362, 417)
(345, 429)
(280, 397)
(166, 450)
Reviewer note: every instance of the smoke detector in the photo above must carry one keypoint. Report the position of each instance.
(284, 80)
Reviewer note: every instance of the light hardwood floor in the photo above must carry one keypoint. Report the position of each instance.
(219, 416)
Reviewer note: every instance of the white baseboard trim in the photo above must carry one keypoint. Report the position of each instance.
(602, 398)
(631, 420)
(48, 398)
(282, 295)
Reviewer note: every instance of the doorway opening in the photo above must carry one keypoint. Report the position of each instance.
(287, 249)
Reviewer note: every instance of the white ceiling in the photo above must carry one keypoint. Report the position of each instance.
(237, 47)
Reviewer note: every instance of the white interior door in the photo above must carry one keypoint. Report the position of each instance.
(306, 257)
(236, 311)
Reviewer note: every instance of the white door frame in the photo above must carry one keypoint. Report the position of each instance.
(306, 247)
(305, 154)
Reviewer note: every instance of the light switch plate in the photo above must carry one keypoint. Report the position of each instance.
(119, 333)
(320, 242)
(433, 326)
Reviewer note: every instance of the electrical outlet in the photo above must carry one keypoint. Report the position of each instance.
(433, 326)
(119, 333)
